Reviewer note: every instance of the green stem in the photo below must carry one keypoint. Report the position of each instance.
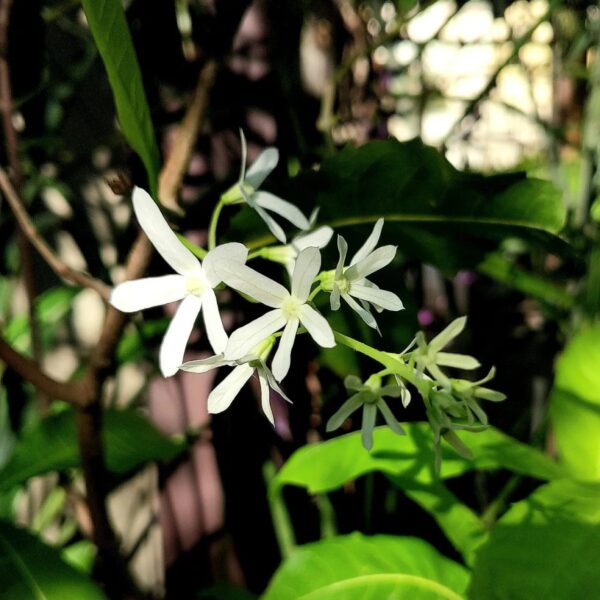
(212, 229)
(284, 532)
(318, 289)
(195, 250)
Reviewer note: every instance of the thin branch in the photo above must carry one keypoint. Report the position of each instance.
(178, 160)
(40, 244)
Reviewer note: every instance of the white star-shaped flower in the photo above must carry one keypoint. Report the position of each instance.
(223, 395)
(289, 309)
(193, 283)
(351, 282)
(246, 190)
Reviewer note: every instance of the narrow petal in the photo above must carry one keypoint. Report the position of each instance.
(212, 322)
(265, 397)
(281, 207)
(270, 222)
(369, 244)
(373, 262)
(382, 298)
(307, 266)
(393, 391)
(244, 339)
(222, 396)
(251, 282)
(368, 424)
(139, 294)
(487, 394)
(319, 238)
(283, 356)
(177, 335)
(343, 251)
(334, 299)
(337, 419)
(389, 417)
(445, 336)
(317, 326)
(161, 235)
(206, 364)
(266, 161)
(273, 384)
(244, 155)
(458, 361)
(365, 315)
(352, 382)
(234, 252)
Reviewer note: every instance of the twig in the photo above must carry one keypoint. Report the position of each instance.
(178, 160)
(40, 244)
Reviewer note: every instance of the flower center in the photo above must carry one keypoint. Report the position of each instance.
(343, 285)
(195, 285)
(291, 307)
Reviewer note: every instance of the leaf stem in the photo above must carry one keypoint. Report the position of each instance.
(212, 229)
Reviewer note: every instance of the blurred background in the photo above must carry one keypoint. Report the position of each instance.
(496, 86)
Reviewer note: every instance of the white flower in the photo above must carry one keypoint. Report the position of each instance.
(223, 395)
(286, 255)
(290, 309)
(351, 282)
(192, 283)
(246, 190)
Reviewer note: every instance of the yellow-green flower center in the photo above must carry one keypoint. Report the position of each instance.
(291, 307)
(195, 285)
(343, 285)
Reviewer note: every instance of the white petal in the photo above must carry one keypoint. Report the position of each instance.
(206, 364)
(267, 160)
(343, 250)
(161, 235)
(369, 244)
(283, 356)
(138, 294)
(317, 326)
(307, 266)
(272, 383)
(244, 155)
(177, 335)
(244, 339)
(212, 321)
(448, 334)
(265, 396)
(318, 238)
(233, 251)
(365, 315)
(373, 262)
(282, 208)
(271, 223)
(222, 396)
(382, 298)
(334, 299)
(251, 282)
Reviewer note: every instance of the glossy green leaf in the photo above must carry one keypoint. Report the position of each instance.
(460, 524)
(130, 441)
(575, 405)
(356, 566)
(545, 547)
(109, 27)
(432, 211)
(31, 570)
(329, 465)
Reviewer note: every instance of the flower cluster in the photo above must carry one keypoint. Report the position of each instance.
(450, 403)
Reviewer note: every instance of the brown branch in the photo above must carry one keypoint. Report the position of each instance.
(178, 160)
(40, 244)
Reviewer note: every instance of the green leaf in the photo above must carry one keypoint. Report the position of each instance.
(109, 27)
(546, 546)
(432, 211)
(130, 441)
(80, 555)
(329, 465)
(356, 566)
(30, 570)
(459, 523)
(575, 405)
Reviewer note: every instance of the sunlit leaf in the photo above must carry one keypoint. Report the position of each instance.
(575, 405)
(546, 546)
(111, 34)
(356, 566)
(130, 441)
(32, 570)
